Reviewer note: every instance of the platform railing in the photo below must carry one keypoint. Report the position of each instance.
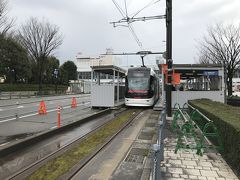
(191, 124)
(158, 148)
(208, 129)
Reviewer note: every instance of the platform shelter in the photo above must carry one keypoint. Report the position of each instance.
(197, 81)
(107, 86)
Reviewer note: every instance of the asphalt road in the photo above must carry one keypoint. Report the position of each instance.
(22, 158)
(29, 122)
(10, 108)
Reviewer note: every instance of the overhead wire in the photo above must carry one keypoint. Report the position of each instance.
(126, 8)
(134, 35)
(130, 27)
(149, 4)
(119, 8)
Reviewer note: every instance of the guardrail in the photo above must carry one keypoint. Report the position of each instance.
(195, 130)
(28, 94)
(158, 148)
(17, 95)
(187, 138)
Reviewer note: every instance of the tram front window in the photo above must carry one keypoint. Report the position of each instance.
(138, 84)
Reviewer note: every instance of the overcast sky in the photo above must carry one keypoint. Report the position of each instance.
(85, 25)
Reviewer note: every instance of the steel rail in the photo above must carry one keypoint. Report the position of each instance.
(89, 158)
(23, 173)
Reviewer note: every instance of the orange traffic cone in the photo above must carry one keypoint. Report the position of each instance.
(42, 108)
(74, 102)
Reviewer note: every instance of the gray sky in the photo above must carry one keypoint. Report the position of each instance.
(85, 25)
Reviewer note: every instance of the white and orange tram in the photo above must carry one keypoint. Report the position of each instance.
(141, 87)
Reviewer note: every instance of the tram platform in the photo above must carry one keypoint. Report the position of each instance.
(159, 105)
(129, 156)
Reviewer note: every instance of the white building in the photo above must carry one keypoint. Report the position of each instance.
(84, 63)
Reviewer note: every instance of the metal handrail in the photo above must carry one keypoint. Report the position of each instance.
(205, 117)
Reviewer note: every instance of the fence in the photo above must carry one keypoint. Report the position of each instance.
(195, 130)
(159, 147)
(17, 94)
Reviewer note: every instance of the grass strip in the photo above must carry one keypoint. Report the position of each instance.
(62, 164)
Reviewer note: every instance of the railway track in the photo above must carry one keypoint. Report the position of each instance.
(81, 165)
(28, 170)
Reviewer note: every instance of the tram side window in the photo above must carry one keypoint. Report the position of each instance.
(152, 83)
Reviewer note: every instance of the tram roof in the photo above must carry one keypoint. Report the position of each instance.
(109, 69)
(140, 68)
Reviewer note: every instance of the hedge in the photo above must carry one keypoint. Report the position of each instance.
(30, 87)
(227, 119)
(234, 97)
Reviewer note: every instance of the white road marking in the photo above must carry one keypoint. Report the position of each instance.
(20, 107)
(54, 127)
(28, 115)
(8, 120)
(4, 144)
(33, 114)
(1, 109)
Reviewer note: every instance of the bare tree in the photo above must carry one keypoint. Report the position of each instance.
(40, 38)
(222, 46)
(6, 23)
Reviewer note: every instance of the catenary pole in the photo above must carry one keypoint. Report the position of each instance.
(169, 56)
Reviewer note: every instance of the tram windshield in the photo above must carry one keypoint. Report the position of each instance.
(138, 84)
(138, 80)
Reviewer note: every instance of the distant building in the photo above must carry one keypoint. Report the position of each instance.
(237, 73)
(236, 81)
(84, 64)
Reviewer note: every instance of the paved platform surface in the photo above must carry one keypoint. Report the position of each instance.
(129, 157)
(186, 164)
(126, 155)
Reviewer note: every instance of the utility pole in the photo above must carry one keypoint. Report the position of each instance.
(128, 20)
(169, 56)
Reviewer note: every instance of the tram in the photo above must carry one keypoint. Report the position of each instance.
(142, 87)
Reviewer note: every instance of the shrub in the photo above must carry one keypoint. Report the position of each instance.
(227, 119)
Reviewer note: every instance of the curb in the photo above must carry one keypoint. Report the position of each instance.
(44, 135)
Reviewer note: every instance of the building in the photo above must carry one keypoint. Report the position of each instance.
(197, 81)
(84, 64)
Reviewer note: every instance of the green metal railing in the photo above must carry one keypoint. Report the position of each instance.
(208, 129)
(184, 126)
(194, 130)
